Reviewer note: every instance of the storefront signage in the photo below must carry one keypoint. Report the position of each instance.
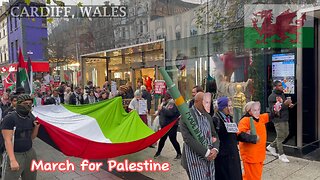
(159, 87)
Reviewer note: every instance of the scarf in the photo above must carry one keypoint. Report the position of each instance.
(200, 168)
(226, 118)
(23, 110)
(91, 99)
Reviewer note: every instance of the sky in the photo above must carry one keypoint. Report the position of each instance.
(98, 2)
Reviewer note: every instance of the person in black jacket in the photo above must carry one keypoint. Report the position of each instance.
(279, 108)
(195, 90)
(76, 97)
(13, 100)
(147, 96)
(227, 163)
(167, 114)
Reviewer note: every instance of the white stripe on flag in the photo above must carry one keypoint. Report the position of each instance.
(81, 125)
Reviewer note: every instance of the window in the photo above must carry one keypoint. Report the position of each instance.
(12, 52)
(123, 32)
(141, 27)
(5, 57)
(10, 24)
(4, 33)
(44, 22)
(193, 32)
(17, 48)
(15, 23)
(0, 57)
(178, 35)
(0, 35)
(194, 28)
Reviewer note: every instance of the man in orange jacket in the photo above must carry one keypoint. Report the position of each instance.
(253, 146)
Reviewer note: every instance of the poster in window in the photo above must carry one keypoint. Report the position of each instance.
(283, 70)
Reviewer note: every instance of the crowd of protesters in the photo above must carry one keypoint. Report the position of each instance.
(220, 159)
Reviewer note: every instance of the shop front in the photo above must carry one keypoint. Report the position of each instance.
(66, 70)
(126, 65)
(219, 61)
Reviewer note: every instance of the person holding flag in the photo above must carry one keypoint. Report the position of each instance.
(24, 71)
(19, 128)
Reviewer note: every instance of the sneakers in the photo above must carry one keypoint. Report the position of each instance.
(272, 151)
(177, 157)
(283, 158)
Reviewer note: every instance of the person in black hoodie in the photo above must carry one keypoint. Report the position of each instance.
(227, 163)
(167, 114)
(279, 110)
(147, 96)
(25, 128)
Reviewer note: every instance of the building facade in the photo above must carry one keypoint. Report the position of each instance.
(29, 34)
(4, 51)
(135, 28)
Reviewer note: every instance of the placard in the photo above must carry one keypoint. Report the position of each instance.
(159, 87)
(231, 127)
(143, 107)
(283, 70)
(113, 87)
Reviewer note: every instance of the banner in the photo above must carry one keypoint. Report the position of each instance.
(278, 26)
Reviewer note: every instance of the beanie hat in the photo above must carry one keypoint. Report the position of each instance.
(222, 103)
(23, 97)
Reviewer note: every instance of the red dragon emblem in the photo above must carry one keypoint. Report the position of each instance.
(282, 27)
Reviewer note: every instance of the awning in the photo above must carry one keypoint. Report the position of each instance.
(36, 67)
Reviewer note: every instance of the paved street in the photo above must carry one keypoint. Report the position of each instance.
(49, 154)
(297, 169)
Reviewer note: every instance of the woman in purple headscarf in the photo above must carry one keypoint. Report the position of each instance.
(227, 163)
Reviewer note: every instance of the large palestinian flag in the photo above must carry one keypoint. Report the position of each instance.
(96, 131)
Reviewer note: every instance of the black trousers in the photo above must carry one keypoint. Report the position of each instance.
(173, 138)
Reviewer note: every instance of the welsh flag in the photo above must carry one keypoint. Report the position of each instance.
(95, 131)
(22, 75)
(278, 26)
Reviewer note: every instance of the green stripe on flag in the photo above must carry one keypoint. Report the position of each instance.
(115, 123)
(254, 40)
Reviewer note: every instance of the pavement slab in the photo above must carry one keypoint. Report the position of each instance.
(274, 169)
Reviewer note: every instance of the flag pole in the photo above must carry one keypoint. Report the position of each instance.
(30, 71)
